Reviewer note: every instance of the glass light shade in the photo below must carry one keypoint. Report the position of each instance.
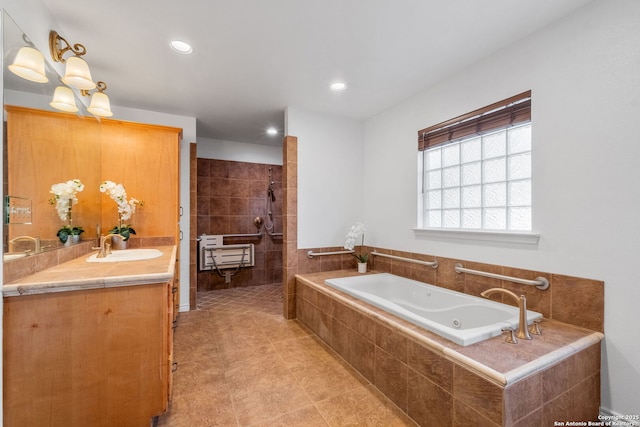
(77, 74)
(29, 64)
(100, 105)
(64, 100)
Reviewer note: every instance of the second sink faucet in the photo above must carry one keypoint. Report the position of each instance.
(105, 248)
(523, 332)
(36, 242)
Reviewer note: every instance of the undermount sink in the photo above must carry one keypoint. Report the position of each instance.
(127, 255)
(9, 257)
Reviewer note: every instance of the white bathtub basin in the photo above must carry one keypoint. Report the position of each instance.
(461, 318)
(127, 255)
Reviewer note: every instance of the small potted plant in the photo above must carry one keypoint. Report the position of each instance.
(64, 197)
(125, 230)
(126, 208)
(70, 234)
(352, 235)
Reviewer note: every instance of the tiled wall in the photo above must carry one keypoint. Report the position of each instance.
(230, 195)
(290, 219)
(574, 300)
(193, 226)
(436, 391)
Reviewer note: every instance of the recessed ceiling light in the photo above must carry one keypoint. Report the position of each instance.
(338, 86)
(272, 131)
(181, 47)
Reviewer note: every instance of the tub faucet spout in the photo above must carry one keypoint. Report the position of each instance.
(521, 300)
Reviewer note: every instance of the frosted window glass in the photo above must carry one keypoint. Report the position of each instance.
(519, 139)
(471, 173)
(495, 194)
(451, 198)
(520, 193)
(520, 219)
(434, 199)
(451, 155)
(452, 218)
(472, 218)
(495, 219)
(471, 150)
(451, 177)
(520, 166)
(434, 180)
(435, 218)
(472, 196)
(433, 159)
(482, 182)
(495, 170)
(495, 145)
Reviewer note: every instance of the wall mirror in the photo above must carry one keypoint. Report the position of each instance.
(24, 182)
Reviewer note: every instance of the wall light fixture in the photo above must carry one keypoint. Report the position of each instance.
(29, 64)
(77, 72)
(100, 105)
(64, 100)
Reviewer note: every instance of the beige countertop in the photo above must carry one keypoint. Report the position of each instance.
(78, 274)
(558, 340)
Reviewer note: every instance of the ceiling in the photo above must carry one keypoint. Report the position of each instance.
(253, 58)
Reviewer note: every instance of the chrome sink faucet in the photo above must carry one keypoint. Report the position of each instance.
(522, 332)
(36, 241)
(105, 248)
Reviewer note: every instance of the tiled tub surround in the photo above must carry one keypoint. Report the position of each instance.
(556, 376)
(574, 300)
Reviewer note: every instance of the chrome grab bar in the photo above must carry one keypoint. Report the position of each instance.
(242, 235)
(433, 264)
(311, 254)
(540, 282)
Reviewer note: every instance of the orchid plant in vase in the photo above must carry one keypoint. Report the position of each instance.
(126, 207)
(64, 197)
(355, 231)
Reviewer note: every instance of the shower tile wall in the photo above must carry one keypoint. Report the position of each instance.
(230, 196)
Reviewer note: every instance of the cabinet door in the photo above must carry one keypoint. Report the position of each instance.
(86, 358)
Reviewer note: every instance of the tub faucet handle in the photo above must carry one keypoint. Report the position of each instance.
(534, 328)
(511, 335)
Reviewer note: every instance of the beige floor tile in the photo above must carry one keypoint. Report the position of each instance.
(305, 417)
(247, 369)
(304, 351)
(277, 328)
(362, 407)
(268, 396)
(240, 363)
(327, 379)
(208, 407)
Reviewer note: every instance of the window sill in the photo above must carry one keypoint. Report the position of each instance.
(479, 235)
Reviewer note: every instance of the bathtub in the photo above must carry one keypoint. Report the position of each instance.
(461, 318)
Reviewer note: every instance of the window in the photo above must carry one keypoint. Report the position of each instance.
(476, 169)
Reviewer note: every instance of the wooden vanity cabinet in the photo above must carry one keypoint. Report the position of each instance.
(98, 357)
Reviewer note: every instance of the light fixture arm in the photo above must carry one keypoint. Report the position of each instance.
(57, 48)
(100, 86)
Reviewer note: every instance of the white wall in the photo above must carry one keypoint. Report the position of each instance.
(330, 176)
(220, 149)
(584, 73)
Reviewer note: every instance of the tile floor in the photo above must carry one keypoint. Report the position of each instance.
(240, 363)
